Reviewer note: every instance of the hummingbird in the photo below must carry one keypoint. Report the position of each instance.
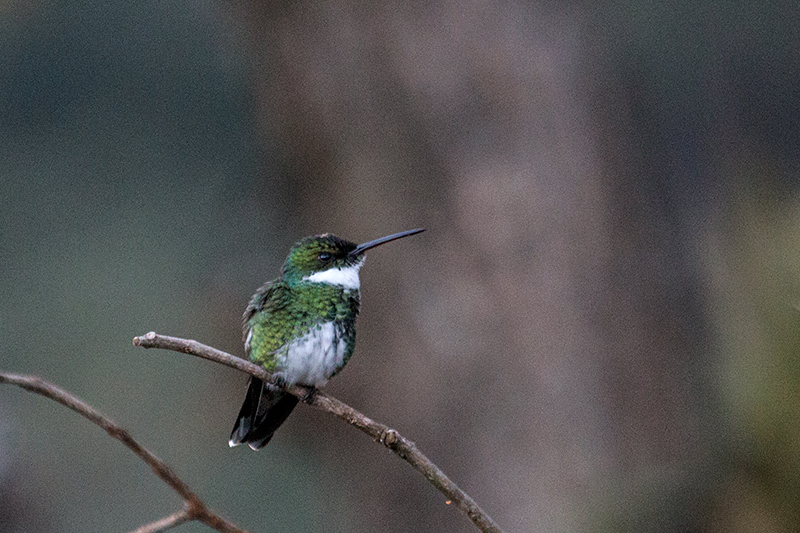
(301, 328)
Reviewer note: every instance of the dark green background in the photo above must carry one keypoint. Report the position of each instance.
(597, 333)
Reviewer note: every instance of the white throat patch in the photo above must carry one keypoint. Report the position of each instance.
(341, 277)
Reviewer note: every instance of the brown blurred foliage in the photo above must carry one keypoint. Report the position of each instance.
(598, 331)
(558, 353)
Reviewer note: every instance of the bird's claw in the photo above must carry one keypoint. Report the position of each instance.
(309, 396)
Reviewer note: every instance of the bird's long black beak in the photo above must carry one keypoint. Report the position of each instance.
(361, 248)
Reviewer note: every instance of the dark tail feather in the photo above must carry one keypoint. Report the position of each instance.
(265, 408)
(247, 414)
(274, 409)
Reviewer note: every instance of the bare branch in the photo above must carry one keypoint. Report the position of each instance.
(164, 524)
(194, 508)
(390, 438)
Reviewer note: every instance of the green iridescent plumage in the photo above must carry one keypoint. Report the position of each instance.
(279, 313)
(301, 328)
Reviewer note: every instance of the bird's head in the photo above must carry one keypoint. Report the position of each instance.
(329, 259)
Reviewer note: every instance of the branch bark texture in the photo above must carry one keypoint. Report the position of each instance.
(194, 508)
(404, 448)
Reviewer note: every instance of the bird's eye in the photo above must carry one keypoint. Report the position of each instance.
(324, 256)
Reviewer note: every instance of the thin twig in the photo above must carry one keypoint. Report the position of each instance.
(194, 508)
(164, 524)
(390, 438)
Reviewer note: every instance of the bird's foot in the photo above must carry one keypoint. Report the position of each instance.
(310, 395)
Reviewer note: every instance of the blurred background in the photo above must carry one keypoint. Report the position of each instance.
(598, 332)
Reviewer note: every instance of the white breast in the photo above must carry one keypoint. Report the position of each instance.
(313, 358)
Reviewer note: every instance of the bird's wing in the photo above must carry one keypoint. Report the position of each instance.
(266, 321)
(272, 296)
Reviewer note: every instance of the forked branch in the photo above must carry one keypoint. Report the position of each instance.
(194, 508)
(390, 438)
